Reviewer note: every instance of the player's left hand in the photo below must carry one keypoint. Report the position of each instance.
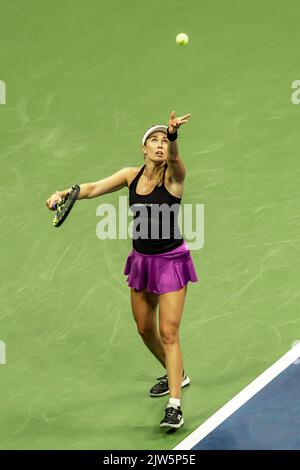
(175, 123)
(54, 199)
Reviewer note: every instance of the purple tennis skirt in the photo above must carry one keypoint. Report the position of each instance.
(160, 273)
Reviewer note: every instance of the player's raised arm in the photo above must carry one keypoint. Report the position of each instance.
(175, 164)
(89, 190)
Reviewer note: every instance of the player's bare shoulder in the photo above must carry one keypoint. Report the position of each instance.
(132, 171)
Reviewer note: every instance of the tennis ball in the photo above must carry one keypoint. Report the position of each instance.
(182, 39)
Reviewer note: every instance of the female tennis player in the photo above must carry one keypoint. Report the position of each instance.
(158, 269)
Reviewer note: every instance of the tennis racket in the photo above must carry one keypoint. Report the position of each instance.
(64, 207)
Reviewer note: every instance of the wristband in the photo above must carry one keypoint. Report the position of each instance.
(171, 137)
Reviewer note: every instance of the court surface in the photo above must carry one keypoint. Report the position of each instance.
(265, 415)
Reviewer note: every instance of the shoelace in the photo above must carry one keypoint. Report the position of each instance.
(163, 379)
(171, 412)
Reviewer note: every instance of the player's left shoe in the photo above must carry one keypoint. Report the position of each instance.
(162, 387)
(173, 418)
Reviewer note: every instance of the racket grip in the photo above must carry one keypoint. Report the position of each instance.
(54, 205)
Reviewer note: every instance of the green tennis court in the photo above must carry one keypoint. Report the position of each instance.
(83, 82)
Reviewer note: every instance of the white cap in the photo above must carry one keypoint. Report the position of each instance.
(157, 128)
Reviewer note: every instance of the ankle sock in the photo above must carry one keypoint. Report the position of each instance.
(174, 402)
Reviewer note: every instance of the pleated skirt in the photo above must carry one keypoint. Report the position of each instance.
(160, 273)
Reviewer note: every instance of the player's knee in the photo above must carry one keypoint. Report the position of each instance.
(169, 335)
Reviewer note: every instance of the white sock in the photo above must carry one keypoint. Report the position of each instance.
(174, 402)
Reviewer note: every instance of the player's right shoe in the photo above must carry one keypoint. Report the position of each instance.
(173, 418)
(162, 386)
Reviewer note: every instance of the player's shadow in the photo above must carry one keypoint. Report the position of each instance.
(171, 431)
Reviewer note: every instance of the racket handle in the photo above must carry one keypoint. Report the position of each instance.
(54, 205)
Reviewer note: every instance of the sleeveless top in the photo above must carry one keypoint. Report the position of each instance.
(155, 225)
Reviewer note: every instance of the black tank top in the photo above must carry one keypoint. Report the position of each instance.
(155, 225)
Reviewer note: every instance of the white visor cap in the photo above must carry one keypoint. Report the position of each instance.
(157, 128)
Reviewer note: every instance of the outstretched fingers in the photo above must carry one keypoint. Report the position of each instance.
(186, 116)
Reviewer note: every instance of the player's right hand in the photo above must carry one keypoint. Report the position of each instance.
(53, 199)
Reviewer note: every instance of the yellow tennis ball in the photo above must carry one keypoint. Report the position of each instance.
(182, 39)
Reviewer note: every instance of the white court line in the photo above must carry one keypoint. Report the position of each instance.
(240, 399)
